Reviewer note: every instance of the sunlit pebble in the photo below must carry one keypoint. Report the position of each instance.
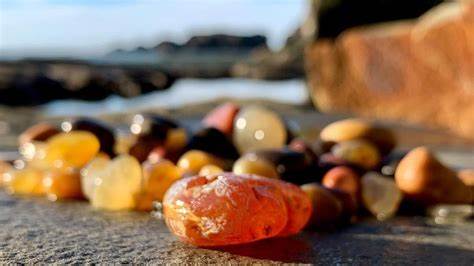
(47, 182)
(259, 134)
(19, 164)
(184, 164)
(381, 216)
(443, 212)
(28, 150)
(7, 177)
(52, 197)
(157, 205)
(158, 215)
(241, 123)
(66, 126)
(4, 128)
(388, 170)
(135, 128)
(138, 118)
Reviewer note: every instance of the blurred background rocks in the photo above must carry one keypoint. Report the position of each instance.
(33, 82)
(418, 71)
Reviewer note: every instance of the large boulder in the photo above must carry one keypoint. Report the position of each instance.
(417, 71)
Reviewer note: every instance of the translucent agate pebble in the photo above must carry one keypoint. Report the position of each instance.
(258, 128)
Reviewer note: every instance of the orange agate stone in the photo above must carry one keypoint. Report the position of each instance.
(226, 209)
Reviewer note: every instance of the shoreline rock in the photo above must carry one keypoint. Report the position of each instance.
(421, 72)
(33, 82)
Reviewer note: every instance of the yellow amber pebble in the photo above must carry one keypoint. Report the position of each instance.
(158, 177)
(111, 198)
(27, 181)
(117, 184)
(359, 152)
(91, 172)
(35, 153)
(210, 169)
(176, 139)
(60, 183)
(72, 149)
(258, 128)
(380, 195)
(192, 161)
(251, 164)
(144, 201)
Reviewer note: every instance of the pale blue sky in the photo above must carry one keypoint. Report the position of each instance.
(91, 27)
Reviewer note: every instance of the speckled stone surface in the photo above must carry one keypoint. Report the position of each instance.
(38, 231)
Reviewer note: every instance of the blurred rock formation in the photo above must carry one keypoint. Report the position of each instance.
(418, 71)
(325, 19)
(32, 82)
(202, 56)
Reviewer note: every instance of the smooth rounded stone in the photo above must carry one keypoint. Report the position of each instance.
(118, 184)
(151, 126)
(327, 209)
(192, 161)
(423, 178)
(104, 133)
(451, 213)
(171, 150)
(291, 166)
(214, 142)
(380, 195)
(350, 205)
(251, 164)
(38, 132)
(153, 131)
(300, 145)
(327, 161)
(222, 117)
(90, 174)
(141, 149)
(344, 179)
(224, 209)
(351, 129)
(72, 149)
(60, 183)
(358, 152)
(176, 140)
(258, 128)
(27, 181)
(158, 177)
(210, 169)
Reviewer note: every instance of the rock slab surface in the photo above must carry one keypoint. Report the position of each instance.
(37, 231)
(417, 71)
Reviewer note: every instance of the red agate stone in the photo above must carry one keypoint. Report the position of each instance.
(226, 209)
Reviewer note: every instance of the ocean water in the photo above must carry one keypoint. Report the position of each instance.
(186, 92)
